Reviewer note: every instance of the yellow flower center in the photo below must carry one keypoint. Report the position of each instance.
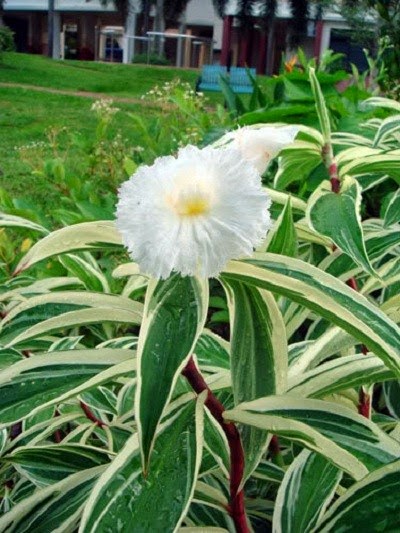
(194, 206)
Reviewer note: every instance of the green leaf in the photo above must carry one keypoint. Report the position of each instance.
(45, 465)
(85, 236)
(372, 504)
(379, 101)
(13, 221)
(303, 434)
(233, 101)
(258, 357)
(53, 508)
(57, 310)
(212, 351)
(350, 431)
(35, 383)
(91, 276)
(388, 126)
(325, 295)
(337, 216)
(356, 161)
(306, 490)
(9, 356)
(322, 111)
(281, 198)
(392, 214)
(283, 239)
(126, 500)
(377, 245)
(278, 113)
(330, 342)
(392, 397)
(174, 315)
(340, 374)
(296, 162)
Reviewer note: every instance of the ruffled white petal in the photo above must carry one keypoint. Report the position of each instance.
(193, 213)
(260, 145)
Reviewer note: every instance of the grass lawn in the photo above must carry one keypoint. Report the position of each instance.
(24, 118)
(113, 79)
(25, 115)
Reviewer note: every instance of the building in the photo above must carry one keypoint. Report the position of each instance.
(87, 30)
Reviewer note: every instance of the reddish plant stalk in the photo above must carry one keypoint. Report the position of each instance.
(91, 415)
(364, 399)
(236, 507)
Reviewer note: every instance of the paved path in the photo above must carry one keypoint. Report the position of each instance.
(84, 94)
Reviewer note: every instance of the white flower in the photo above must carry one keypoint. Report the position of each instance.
(193, 213)
(260, 145)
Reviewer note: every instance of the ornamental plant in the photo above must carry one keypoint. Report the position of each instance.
(121, 410)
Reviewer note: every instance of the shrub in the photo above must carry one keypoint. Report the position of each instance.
(6, 39)
(121, 408)
(152, 59)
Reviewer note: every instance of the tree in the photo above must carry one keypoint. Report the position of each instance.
(387, 16)
(266, 11)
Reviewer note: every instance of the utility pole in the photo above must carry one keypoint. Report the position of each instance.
(50, 28)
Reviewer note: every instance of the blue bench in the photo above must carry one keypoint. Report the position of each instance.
(210, 76)
(237, 78)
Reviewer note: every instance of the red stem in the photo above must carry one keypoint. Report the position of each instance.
(91, 416)
(364, 408)
(236, 508)
(363, 398)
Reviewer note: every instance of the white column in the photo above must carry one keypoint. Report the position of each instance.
(57, 35)
(130, 30)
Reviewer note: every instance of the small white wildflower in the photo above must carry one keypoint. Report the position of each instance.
(260, 145)
(193, 213)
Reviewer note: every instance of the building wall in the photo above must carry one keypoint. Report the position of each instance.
(60, 5)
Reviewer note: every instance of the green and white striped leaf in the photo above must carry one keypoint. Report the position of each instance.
(372, 504)
(43, 380)
(377, 245)
(258, 357)
(86, 236)
(392, 397)
(269, 472)
(352, 432)
(90, 276)
(329, 343)
(388, 273)
(322, 111)
(9, 356)
(126, 500)
(304, 435)
(14, 221)
(325, 295)
(281, 198)
(53, 311)
(41, 286)
(392, 214)
(296, 162)
(379, 101)
(174, 316)
(306, 490)
(212, 351)
(337, 216)
(283, 239)
(340, 374)
(45, 465)
(356, 161)
(57, 507)
(388, 126)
